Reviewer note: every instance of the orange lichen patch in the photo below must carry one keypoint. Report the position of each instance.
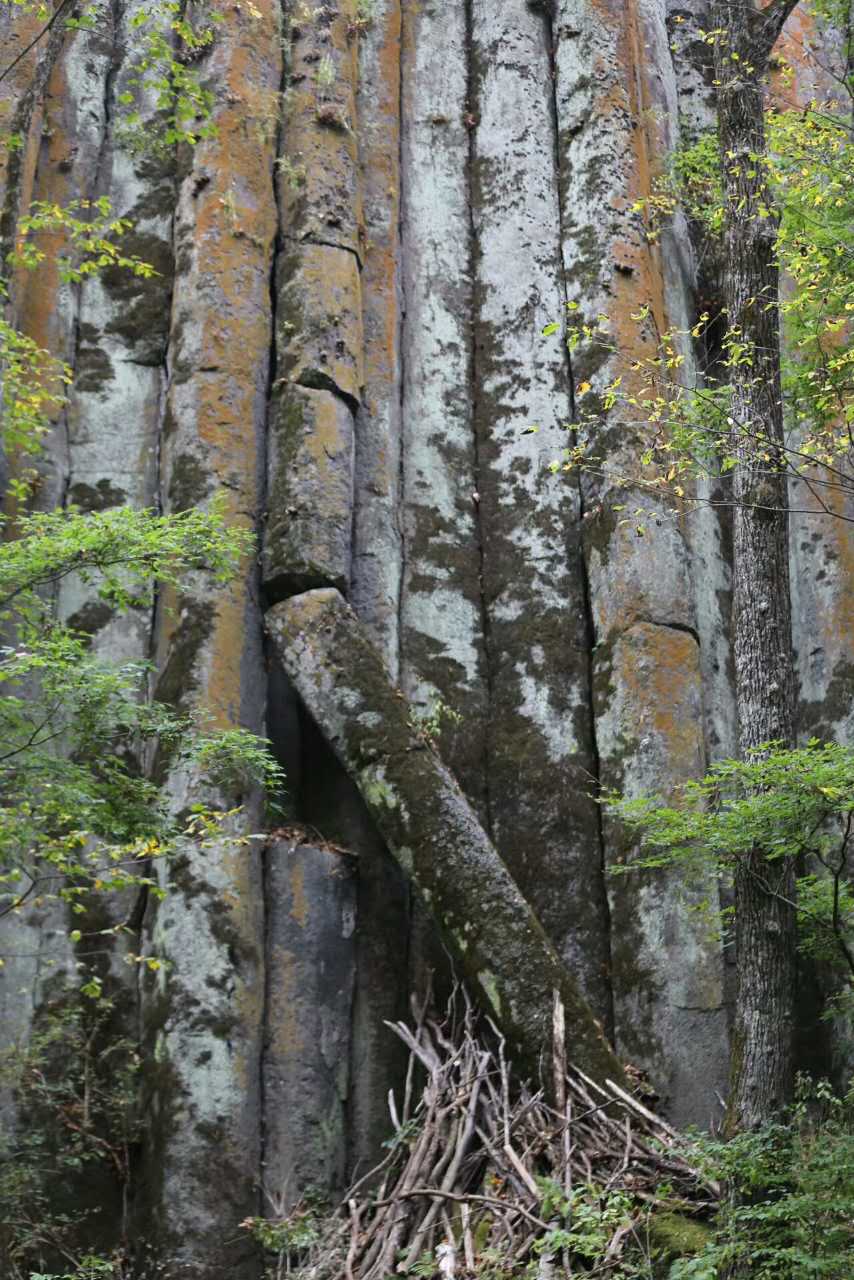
(32, 145)
(325, 440)
(318, 172)
(323, 302)
(659, 676)
(627, 160)
(286, 1027)
(638, 274)
(20, 28)
(222, 319)
(381, 139)
(800, 48)
(53, 173)
(58, 180)
(243, 905)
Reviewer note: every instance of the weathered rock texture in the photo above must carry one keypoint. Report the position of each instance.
(499, 945)
(344, 339)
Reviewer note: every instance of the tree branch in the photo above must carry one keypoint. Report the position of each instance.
(774, 16)
(45, 29)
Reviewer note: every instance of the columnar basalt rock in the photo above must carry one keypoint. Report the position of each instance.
(685, 112)
(821, 549)
(204, 1024)
(377, 540)
(536, 638)
(496, 939)
(54, 105)
(344, 341)
(122, 326)
(319, 336)
(310, 921)
(649, 735)
(441, 607)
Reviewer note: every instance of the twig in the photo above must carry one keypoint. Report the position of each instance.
(470, 1198)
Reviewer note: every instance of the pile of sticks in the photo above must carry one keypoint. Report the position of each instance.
(477, 1163)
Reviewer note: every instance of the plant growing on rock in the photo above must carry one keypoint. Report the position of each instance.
(772, 195)
(84, 814)
(798, 806)
(680, 396)
(799, 1225)
(76, 1091)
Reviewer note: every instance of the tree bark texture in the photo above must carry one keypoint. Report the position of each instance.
(497, 942)
(762, 1064)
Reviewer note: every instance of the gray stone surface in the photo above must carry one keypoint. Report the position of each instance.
(343, 341)
(310, 961)
(498, 944)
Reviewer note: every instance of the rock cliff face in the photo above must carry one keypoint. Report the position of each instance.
(344, 338)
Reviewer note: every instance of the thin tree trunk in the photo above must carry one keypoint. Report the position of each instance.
(762, 1068)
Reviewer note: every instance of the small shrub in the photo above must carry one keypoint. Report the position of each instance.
(790, 1210)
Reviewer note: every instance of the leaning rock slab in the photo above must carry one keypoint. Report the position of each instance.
(430, 827)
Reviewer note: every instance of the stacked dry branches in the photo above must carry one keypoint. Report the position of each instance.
(482, 1171)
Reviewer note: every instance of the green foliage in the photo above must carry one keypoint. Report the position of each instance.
(169, 44)
(790, 1210)
(34, 382)
(673, 392)
(811, 153)
(589, 1216)
(814, 155)
(75, 1088)
(82, 813)
(365, 15)
(89, 1267)
(122, 552)
(293, 1233)
(33, 388)
(91, 242)
(429, 724)
(77, 815)
(693, 181)
(796, 804)
(286, 1238)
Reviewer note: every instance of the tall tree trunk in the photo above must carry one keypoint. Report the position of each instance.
(762, 1067)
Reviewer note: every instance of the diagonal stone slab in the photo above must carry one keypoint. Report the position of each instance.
(430, 828)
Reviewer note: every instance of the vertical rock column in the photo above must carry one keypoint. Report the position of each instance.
(121, 337)
(21, 109)
(377, 539)
(666, 970)
(59, 164)
(384, 911)
(822, 546)
(318, 311)
(821, 570)
(311, 909)
(204, 1011)
(54, 100)
(441, 608)
(329, 415)
(686, 110)
(539, 757)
